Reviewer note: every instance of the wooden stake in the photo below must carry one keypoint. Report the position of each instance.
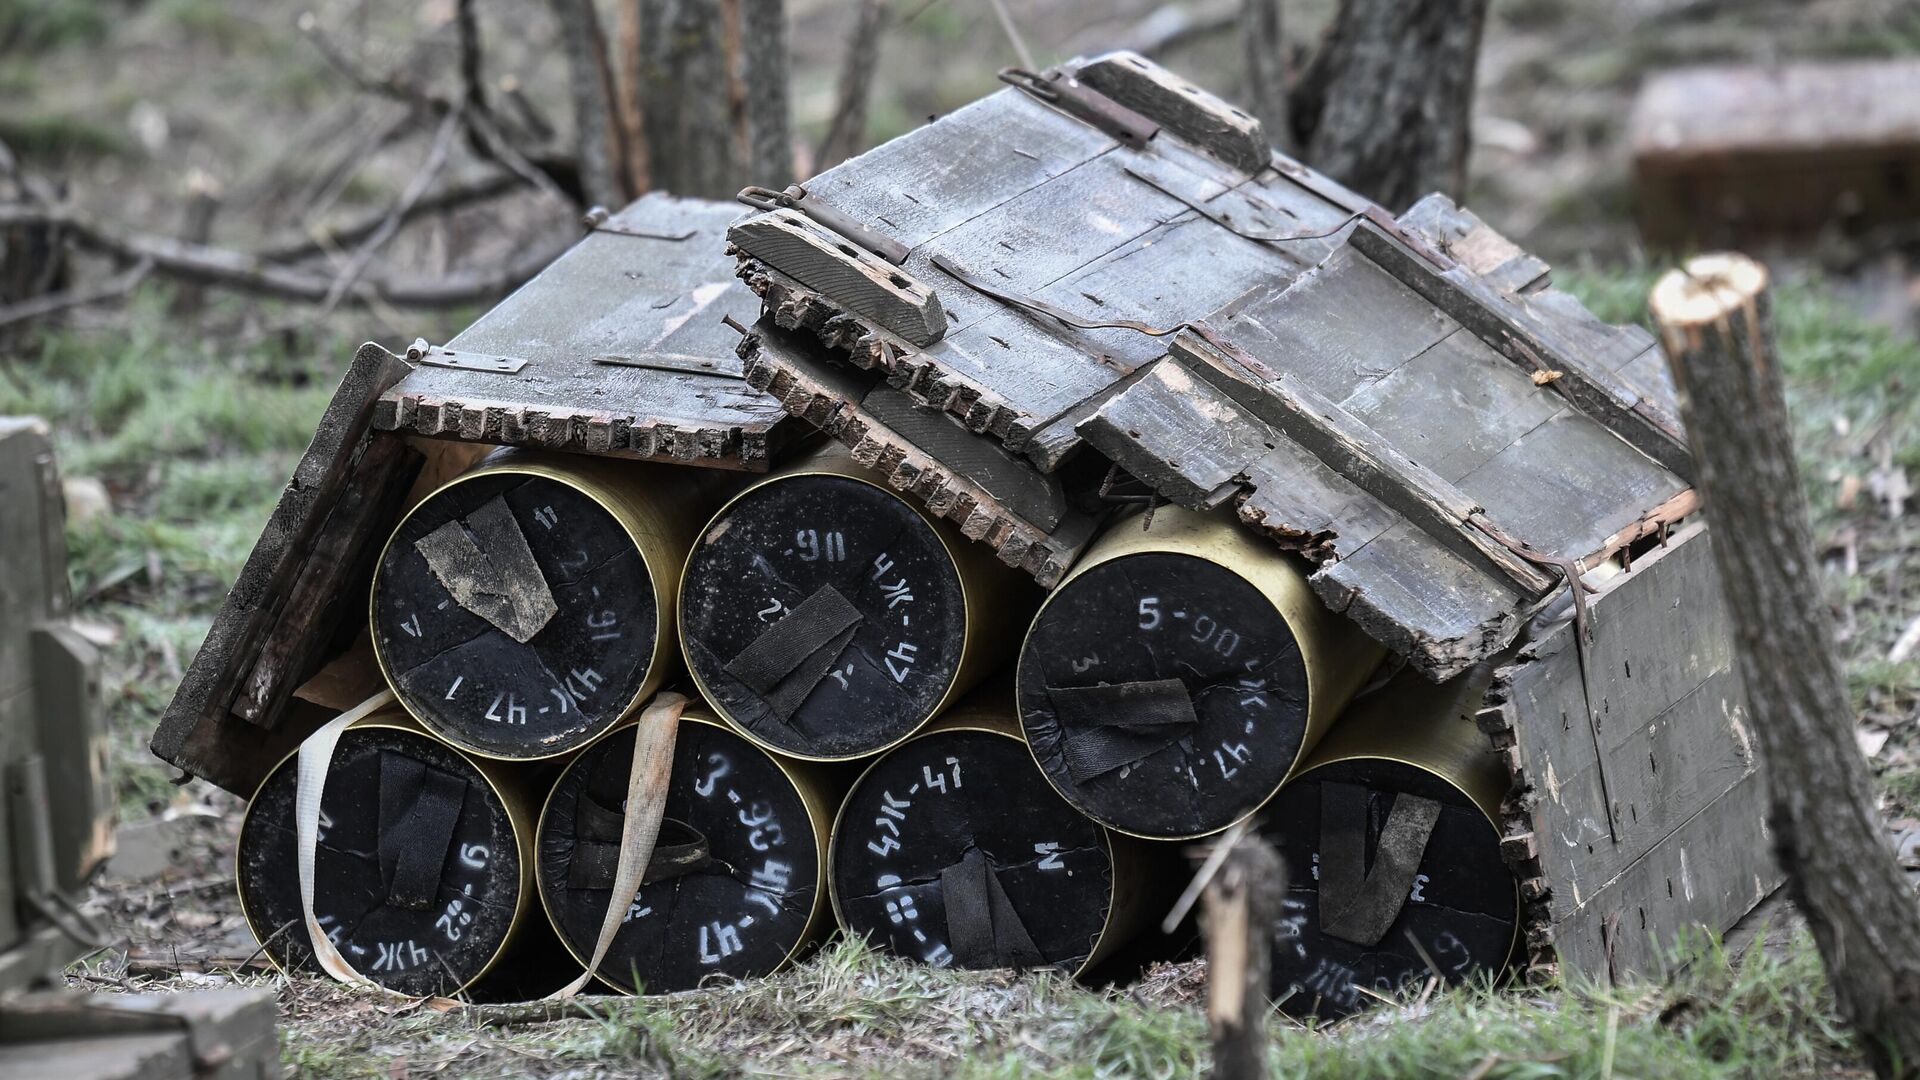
(1241, 903)
(1715, 321)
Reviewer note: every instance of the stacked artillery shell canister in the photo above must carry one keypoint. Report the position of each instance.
(423, 873)
(736, 883)
(1392, 851)
(1176, 677)
(527, 606)
(828, 618)
(952, 848)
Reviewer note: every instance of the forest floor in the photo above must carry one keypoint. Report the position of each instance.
(190, 425)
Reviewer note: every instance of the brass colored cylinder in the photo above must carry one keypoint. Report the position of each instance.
(525, 607)
(929, 820)
(1180, 672)
(1396, 814)
(424, 868)
(827, 618)
(736, 886)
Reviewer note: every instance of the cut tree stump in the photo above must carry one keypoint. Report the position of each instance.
(1242, 903)
(1715, 319)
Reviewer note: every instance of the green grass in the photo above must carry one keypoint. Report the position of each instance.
(851, 1012)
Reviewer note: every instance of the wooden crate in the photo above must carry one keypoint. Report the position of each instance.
(1045, 306)
(1729, 154)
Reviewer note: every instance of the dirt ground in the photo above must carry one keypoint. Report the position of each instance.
(191, 422)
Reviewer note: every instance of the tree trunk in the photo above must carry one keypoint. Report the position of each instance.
(1386, 105)
(769, 108)
(689, 131)
(1715, 321)
(1241, 905)
(1266, 70)
(847, 134)
(588, 83)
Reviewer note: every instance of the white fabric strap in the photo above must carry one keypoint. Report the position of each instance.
(646, 806)
(316, 757)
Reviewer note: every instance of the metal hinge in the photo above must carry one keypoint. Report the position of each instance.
(437, 356)
(1060, 89)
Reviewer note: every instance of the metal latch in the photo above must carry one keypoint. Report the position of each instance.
(795, 197)
(437, 356)
(1061, 90)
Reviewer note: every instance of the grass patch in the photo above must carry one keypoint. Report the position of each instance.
(852, 1012)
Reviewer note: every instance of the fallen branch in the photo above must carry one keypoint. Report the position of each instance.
(205, 265)
(422, 179)
(454, 196)
(111, 289)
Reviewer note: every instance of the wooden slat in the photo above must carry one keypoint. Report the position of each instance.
(1356, 452)
(1509, 324)
(198, 733)
(1180, 107)
(993, 496)
(301, 623)
(861, 281)
(967, 162)
(1474, 244)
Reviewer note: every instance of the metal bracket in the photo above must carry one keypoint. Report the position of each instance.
(598, 220)
(438, 356)
(1061, 90)
(795, 197)
(693, 365)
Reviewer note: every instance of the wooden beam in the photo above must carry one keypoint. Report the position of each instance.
(1361, 455)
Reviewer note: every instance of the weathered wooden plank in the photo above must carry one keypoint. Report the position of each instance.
(1179, 106)
(1356, 452)
(1604, 781)
(1344, 323)
(1567, 484)
(971, 160)
(1454, 405)
(994, 497)
(198, 733)
(300, 624)
(857, 279)
(1510, 324)
(1474, 244)
(1179, 436)
(1416, 597)
(1704, 876)
(629, 290)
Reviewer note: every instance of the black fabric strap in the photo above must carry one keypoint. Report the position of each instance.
(1360, 903)
(680, 849)
(983, 929)
(1115, 724)
(789, 658)
(419, 808)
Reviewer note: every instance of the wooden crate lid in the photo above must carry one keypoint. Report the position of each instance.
(624, 349)
(1406, 402)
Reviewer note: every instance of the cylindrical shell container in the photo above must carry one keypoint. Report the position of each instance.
(827, 617)
(527, 606)
(953, 849)
(1174, 679)
(736, 883)
(422, 870)
(1392, 848)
